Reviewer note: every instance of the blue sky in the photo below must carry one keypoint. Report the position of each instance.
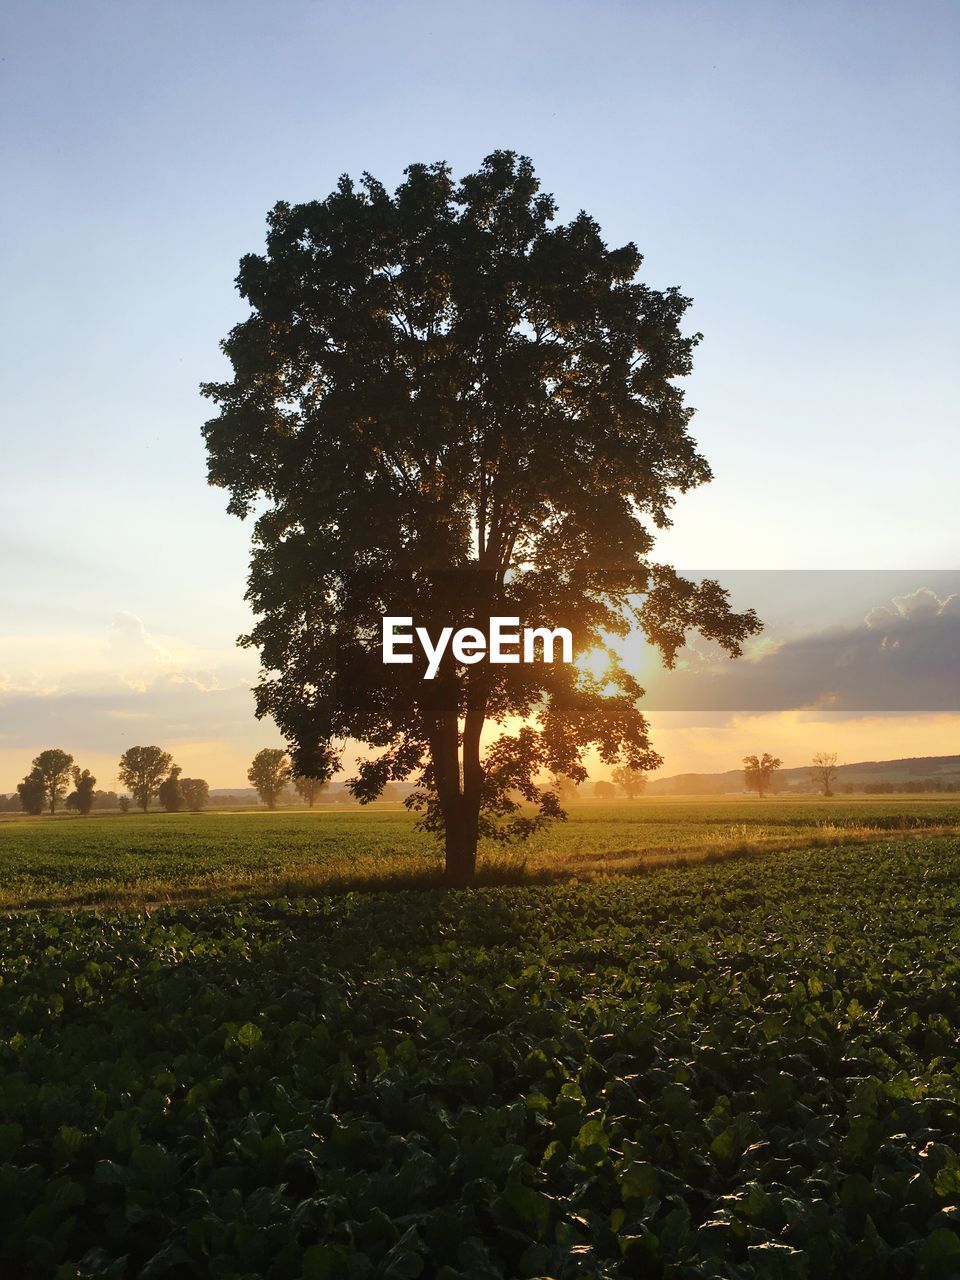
(792, 167)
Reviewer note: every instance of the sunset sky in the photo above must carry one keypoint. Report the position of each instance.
(793, 168)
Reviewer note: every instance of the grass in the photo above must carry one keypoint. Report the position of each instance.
(154, 858)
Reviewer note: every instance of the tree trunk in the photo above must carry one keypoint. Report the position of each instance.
(460, 851)
(460, 828)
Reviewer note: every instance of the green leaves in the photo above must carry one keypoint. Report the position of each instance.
(600, 1080)
(449, 409)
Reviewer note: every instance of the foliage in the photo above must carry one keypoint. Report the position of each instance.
(446, 407)
(823, 771)
(748, 1070)
(195, 792)
(50, 772)
(604, 790)
(564, 786)
(269, 773)
(758, 772)
(161, 857)
(141, 770)
(631, 781)
(81, 798)
(170, 793)
(123, 804)
(309, 788)
(32, 794)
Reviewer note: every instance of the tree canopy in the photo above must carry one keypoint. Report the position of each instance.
(447, 405)
(141, 770)
(48, 777)
(270, 772)
(81, 798)
(823, 771)
(758, 772)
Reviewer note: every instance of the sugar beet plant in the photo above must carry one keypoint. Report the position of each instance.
(740, 1072)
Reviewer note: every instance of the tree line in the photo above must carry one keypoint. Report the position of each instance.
(148, 773)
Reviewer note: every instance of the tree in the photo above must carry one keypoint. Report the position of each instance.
(309, 788)
(269, 773)
(81, 797)
(823, 770)
(758, 772)
(604, 790)
(480, 410)
(169, 792)
(32, 794)
(632, 781)
(141, 770)
(195, 792)
(51, 769)
(564, 786)
(123, 804)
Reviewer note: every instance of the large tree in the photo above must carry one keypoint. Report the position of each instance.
(758, 772)
(141, 770)
(270, 772)
(823, 771)
(82, 797)
(631, 781)
(169, 792)
(195, 792)
(445, 406)
(32, 794)
(51, 772)
(309, 788)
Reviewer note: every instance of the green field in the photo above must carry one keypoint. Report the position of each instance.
(745, 1069)
(157, 857)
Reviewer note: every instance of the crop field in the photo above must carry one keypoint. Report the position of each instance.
(160, 857)
(746, 1068)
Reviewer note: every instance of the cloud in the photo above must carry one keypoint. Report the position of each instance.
(122, 655)
(919, 605)
(904, 656)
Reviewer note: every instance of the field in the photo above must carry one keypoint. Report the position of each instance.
(138, 859)
(682, 1040)
(743, 1069)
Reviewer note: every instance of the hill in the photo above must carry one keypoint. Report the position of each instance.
(915, 773)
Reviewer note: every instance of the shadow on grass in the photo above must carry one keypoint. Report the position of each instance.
(515, 869)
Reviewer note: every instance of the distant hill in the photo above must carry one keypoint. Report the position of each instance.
(913, 772)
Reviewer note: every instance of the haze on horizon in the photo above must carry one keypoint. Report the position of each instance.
(793, 169)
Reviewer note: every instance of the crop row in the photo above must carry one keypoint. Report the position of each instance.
(745, 1070)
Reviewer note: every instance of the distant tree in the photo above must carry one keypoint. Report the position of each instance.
(32, 794)
(195, 792)
(565, 786)
(169, 793)
(823, 771)
(309, 788)
(141, 770)
(123, 804)
(81, 798)
(269, 773)
(758, 772)
(105, 800)
(52, 769)
(632, 781)
(604, 790)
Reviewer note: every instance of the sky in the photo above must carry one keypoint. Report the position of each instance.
(791, 167)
